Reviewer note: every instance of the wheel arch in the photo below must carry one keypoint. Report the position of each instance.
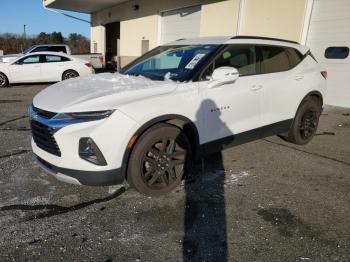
(66, 70)
(182, 122)
(315, 94)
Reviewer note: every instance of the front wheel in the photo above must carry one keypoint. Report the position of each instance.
(305, 122)
(69, 74)
(3, 80)
(158, 160)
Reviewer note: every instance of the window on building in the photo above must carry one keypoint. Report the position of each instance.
(337, 52)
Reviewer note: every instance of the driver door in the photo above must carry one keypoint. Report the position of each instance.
(231, 111)
(27, 69)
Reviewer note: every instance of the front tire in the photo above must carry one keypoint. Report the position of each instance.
(158, 161)
(305, 122)
(4, 82)
(69, 74)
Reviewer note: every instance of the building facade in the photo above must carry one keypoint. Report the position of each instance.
(125, 29)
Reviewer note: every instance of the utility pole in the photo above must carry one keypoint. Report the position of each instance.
(24, 31)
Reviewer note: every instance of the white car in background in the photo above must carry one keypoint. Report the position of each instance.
(43, 67)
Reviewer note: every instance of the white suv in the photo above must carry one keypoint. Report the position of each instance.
(177, 102)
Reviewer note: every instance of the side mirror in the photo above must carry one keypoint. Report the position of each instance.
(223, 75)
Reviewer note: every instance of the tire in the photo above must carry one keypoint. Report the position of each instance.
(305, 122)
(4, 82)
(155, 169)
(69, 74)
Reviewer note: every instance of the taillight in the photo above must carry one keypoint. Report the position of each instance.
(88, 65)
(324, 74)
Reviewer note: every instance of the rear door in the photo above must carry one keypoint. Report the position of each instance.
(282, 83)
(27, 69)
(53, 67)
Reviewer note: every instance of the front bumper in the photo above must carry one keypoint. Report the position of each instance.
(79, 177)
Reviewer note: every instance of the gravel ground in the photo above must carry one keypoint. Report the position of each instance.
(263, 201)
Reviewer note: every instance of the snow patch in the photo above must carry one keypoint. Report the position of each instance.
(233, 178)
(107, 81)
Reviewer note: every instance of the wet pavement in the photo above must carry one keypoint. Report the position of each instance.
(263, 201)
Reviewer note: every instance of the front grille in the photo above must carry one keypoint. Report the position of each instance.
(43, 113)
(43, 138)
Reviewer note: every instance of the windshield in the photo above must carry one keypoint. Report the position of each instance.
(25, 51)
(170, 62)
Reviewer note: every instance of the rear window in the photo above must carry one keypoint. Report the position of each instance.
(337, 52)
(55, 58)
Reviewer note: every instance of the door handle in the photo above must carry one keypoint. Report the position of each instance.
(256, 87)
(299, 77)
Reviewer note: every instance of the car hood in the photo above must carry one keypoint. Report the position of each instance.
(99, 92)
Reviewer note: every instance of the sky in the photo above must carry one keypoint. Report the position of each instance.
(15, 13)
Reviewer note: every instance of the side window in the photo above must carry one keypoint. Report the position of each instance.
(241, 57)
(29, 60)
(294, 56)
(274, 59)
(337, 52)
(58, 49)
(55, 58)
(40, 49)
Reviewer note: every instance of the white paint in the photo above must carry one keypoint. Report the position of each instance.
(40, 71)
(217, 113)
(330, 26)
(306, 25)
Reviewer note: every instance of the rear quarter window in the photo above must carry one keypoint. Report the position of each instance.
(278, 59)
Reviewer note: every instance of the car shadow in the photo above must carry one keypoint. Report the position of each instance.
(205, 230)
(50, 210)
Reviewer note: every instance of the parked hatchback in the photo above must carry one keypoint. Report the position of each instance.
(176, 103)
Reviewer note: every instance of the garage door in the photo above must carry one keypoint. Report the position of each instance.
(329, 40)
(180, 23)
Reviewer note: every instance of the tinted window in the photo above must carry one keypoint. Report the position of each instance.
(337, 52)
(55, 58)
(30, 60)
(58, 49)
(294, 56)
(40, 49)
(240, 57)
(274, 59)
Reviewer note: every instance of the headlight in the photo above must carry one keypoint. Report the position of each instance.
(84, 116)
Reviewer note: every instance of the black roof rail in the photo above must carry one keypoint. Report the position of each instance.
(264, 38)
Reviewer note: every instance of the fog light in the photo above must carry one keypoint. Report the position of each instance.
(89, 151)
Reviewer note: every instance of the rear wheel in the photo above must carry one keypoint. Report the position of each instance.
(3, 80)
(158, 160)
(69, 74)
(305, 123)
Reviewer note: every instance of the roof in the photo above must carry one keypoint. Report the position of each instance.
(221, 40)
(82, 6)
